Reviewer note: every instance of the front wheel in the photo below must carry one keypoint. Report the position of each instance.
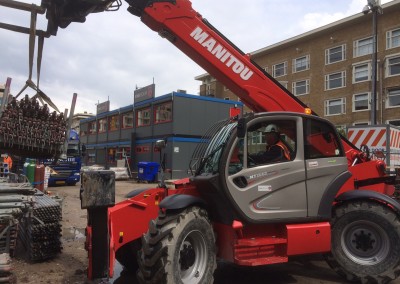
(179, 248)
(365, 242)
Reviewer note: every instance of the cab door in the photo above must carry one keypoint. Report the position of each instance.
(269, 191)
(325, 161)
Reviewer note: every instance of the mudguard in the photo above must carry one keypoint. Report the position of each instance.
(180, 201)
(369, 194)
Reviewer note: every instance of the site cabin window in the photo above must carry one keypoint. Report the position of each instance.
(361, 72)
(393, 66)
(363, 47)
(143, 117)
(321, 140)
(301, 63)
(393, 38)
(361, 102)
(92, 127)
(279, 69)
(142, 149)
(301, 87)
(335, 107)
(335, 54)
(163, 113)
(102, 125)
(393, 98)
(113, 123)
(127, 120)
(335, 80)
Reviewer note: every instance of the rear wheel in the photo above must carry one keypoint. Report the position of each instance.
(365, 242)
(178, 248)
(126, 255)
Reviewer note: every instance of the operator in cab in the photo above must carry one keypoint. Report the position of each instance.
(275, 150)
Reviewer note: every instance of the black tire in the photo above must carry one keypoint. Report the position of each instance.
(365, 242)
(179, 248)
(127, 255)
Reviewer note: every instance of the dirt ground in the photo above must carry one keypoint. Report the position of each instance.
(70, 266)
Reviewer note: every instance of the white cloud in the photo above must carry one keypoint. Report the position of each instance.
(112, 53)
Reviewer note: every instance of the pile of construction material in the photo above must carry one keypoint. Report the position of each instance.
(29, 220)
(26, 128)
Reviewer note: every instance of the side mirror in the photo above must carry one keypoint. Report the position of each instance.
(241, 128)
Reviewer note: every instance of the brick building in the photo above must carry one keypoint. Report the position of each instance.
(329, 68)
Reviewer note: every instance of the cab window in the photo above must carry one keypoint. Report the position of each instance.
(321, 140)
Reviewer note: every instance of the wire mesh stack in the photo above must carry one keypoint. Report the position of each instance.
(29, 223)
(40, 230)
(15, 199)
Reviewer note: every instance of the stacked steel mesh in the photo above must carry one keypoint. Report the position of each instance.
(40, 231)
(15, 199)
(28, 128)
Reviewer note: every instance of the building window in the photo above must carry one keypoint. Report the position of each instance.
(335, 107)
(301, 63)
(363, 47)
(394, 122)
(393, 98)
(393, 66)
(361, 101)
(279, 69)
(335, 80)
(361, 123)
(163, 112)
(341, 128)
(127, 120)
(256, 138)
(113, 122)
(265, 69)
(92, 127)
(102, 125)
(335, 54)
(301, 87)
(393, 38)
(284, 83)
(361, 72)
(143, 117)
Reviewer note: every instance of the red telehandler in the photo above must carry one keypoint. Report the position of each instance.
(326, 196)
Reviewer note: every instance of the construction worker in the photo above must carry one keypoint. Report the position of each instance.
(275, 150)
(7, 159)
(275, 146)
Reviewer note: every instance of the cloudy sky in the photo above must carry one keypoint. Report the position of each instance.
(112, 53)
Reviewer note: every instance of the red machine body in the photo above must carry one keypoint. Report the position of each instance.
(244, 245)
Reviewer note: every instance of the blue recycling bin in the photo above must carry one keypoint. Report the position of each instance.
(147, 171)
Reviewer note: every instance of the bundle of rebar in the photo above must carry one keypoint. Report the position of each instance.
(40, 230)
(28, 128)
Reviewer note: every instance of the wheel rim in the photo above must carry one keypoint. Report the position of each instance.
(193, 257)
(365, 243)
